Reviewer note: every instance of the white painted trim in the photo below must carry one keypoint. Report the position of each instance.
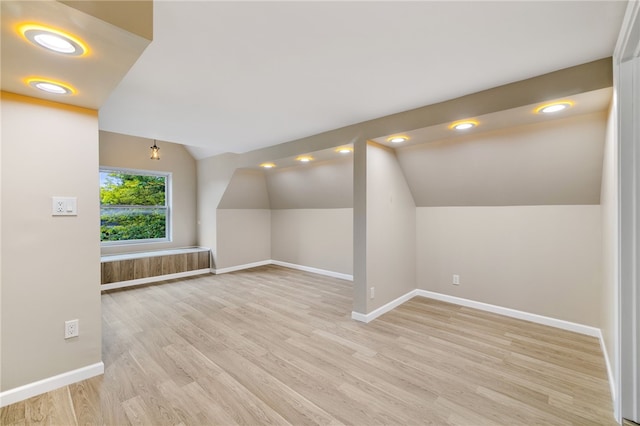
(314, 270)
(610, 376)
(140, 281)
(241, 267)
(383, 309)
(513, 313)
(627, 45)
(21, 393)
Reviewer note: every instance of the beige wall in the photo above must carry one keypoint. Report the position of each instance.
(552, 162)
(246, 190)
(322, 185)
(132, 152)
(544, 260)
(320, 238)
(51, 273)
(391, 229)
(244, 236)
(610, 241)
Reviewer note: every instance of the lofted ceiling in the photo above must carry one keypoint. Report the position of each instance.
(238, 76)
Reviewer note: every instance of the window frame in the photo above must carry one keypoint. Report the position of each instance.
(167, 200)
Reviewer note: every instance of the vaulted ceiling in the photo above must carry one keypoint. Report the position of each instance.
(238, 76)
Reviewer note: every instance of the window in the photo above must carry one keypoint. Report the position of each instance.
(134, 206)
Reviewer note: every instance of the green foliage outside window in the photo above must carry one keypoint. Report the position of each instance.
(133, 207)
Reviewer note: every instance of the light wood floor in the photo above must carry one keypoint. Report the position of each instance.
(277, 346)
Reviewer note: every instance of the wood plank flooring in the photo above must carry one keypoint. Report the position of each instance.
(277, 346)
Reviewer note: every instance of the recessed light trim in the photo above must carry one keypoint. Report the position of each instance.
(53, 40)
(50, 86)
(267, 165)
(305, 158)
(463, 125)
(397, 139)
(552, 107)
(344, 149)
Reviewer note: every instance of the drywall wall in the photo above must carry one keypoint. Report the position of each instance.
(246, 190)
(554, 162)
(48, 149)
(319, 238)
(610, 242)
(321, 185)
(243, 221)
(544, 260)
(132, 152)
(244, 237)
(391, 229)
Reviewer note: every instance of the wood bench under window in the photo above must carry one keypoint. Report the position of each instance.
(128, 269)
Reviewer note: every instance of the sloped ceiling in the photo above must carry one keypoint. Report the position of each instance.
(548, 163)
(239, 76)
(112, 49)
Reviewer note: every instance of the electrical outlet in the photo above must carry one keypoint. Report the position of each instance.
(71, 328)
(372, 292)
(64, 206)
(456, 279)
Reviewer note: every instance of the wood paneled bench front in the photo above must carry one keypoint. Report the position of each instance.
(129, 269)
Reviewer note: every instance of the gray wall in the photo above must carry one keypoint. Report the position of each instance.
(244, 236)
(391, 229)
(132, 152)
(243, 221)
(320, 238)
(540, 259)
(50, 265)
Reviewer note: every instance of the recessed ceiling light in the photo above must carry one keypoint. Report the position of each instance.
(267, 165)
(304, 158)
(463, 125)
(344, 149)
(53, 40)
(554, 107)
(50, 86)
(397, 139)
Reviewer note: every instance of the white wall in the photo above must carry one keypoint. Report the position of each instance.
(132, 152)
(319, 238)
(244, 236)
(48, 149)
(391, 229)
(544, 260)
(610, 241)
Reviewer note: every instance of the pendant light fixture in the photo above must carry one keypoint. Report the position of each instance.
(155, 151)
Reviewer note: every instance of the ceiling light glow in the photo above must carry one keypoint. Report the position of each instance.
(463, 125)
(344, 149)
(304, 158)
(50, 86)
(53, 40)
(554, 107)
(267, 165)
(397, 139)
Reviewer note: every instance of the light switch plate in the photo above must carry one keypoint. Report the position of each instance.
(64, 206)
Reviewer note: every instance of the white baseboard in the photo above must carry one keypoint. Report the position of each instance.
(286, 265)
(513, 313)
(382, 309)
(314, 270)
(21, 393)
(612, 382)
(140, 281)
(241, 267)
(508, 312)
